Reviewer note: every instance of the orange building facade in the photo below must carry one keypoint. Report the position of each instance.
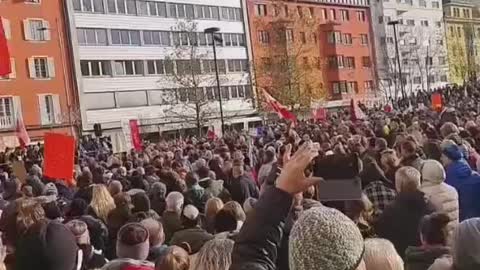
(40, 87)
(331, 41)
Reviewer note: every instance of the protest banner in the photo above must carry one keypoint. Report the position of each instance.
(18, 168)
(135, 133)
(59, 157)
(437, 102)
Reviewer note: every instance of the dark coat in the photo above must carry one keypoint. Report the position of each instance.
(171, 224)
(256, 246)
(420, 258)
(195, 237)
(400, 220)
(243, 188)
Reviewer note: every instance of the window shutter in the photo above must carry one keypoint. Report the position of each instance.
(57, 109)
(6, 28)
(26, 30)
(12, 74)
(43, 110)
(46, 25)
(51, 67)
(31, 68)
(17, 107)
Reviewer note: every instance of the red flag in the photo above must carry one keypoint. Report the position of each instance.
(136, 141)
(320, 114)
(437, 102)
(211, 135)
(276, 106)
(21, 131)
(355, 112)
(59, 157)
(5, 67)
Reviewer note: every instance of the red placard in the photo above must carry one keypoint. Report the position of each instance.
(437, 102)
(59, 157)
(135, 133)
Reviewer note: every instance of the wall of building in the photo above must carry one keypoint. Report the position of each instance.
(19, 91)
(106, 99)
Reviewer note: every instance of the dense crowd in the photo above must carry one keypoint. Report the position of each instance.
(250, 202)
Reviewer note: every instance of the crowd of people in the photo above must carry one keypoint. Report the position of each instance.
(251, 202)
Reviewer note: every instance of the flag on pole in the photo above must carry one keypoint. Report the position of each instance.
(21, 131)
(277, 107)
(5, 67)
(355, 112)
(320, 114)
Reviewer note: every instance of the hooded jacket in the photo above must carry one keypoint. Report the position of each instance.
(467, 183)
(420, 258)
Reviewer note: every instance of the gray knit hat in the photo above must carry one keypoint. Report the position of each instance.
(325, 239)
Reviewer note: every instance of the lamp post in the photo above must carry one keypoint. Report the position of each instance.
(213, 31)
(400, 75)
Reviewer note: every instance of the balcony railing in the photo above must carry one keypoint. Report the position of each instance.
(7, 122)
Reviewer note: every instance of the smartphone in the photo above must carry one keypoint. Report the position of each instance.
(339, 190)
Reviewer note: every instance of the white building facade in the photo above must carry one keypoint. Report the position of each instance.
(128, 64)
(421, 43)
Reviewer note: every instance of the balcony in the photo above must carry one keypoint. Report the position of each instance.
(7, 122)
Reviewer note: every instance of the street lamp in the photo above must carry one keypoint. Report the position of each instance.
(213, 31)
(400, 75)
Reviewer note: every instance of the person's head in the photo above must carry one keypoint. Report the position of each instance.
(433, 229)
(102, 202)
(133, 242)
(389, 159)
(190, 216)
(78, 207)
(215, 255)
(237, 168)
(80, 231)
(158, 191)
(249, 204)
(466, 245)
(176, 258)
(448, 129)
(174, 202)
(191, 179)
(140, 202)
(155, 230)
(269, 155)
(115, 187)
(225, 221)
(359, 210)
(380, 254)
(451, 152)
(203, 172)
(408, 148)
(212, 207)
(380, 145)
(325, 239)
(357, 144)
(433, 172)
(236, 209)
(407, 179)
(29, 213)
(123, 200)
(50, 189)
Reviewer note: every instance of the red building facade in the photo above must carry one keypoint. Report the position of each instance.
(339, 33)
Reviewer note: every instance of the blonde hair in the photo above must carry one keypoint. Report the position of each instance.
(407, 179)
(214, 255)
(212, 207)
(175, 259)
(29, 213)
(380, 254)
(236, 209)
(102, 202)
(389, 159)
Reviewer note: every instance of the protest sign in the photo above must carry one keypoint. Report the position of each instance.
(59, 157)
(18, 168)
(437, 102)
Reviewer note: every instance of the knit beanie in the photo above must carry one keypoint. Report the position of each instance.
(325, 239)
(80, 231)
(133, 242)
(433, 172)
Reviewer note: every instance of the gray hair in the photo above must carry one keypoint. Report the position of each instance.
(174, 201)
(215, 255)
(380, 254)
(407, 179)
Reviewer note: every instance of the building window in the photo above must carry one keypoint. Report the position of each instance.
(237, 65)
(47, 107)
(440, 42)
(352, 87)
(285, 11)
(303, 37)
(368, 86)
(207, 12)
(366, 62)
(125, 37)
(422, 3)
(361, 17)
(333, 14)
(311, 12)
(442, 60)
(95, 68)
(37, 30)
(349, 62)
(324, 13)
(424, 22)
(234, 14)
(411, 22)
(429, 61)
(466, 13)
(41, 67)
(289, 35)
(409, 2)
(380, 19)
(263, 37)
(299, 11)
(388, 19)
(261, 10)
(128, 67)
(417, 80)
(443, 78)
(92, 36)
(347, 39)
(156, 38)
(7, 113)
(435, 4)
(364, 39)
(122, 7)
(345, 15)
(95, 6)
(456, 12)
